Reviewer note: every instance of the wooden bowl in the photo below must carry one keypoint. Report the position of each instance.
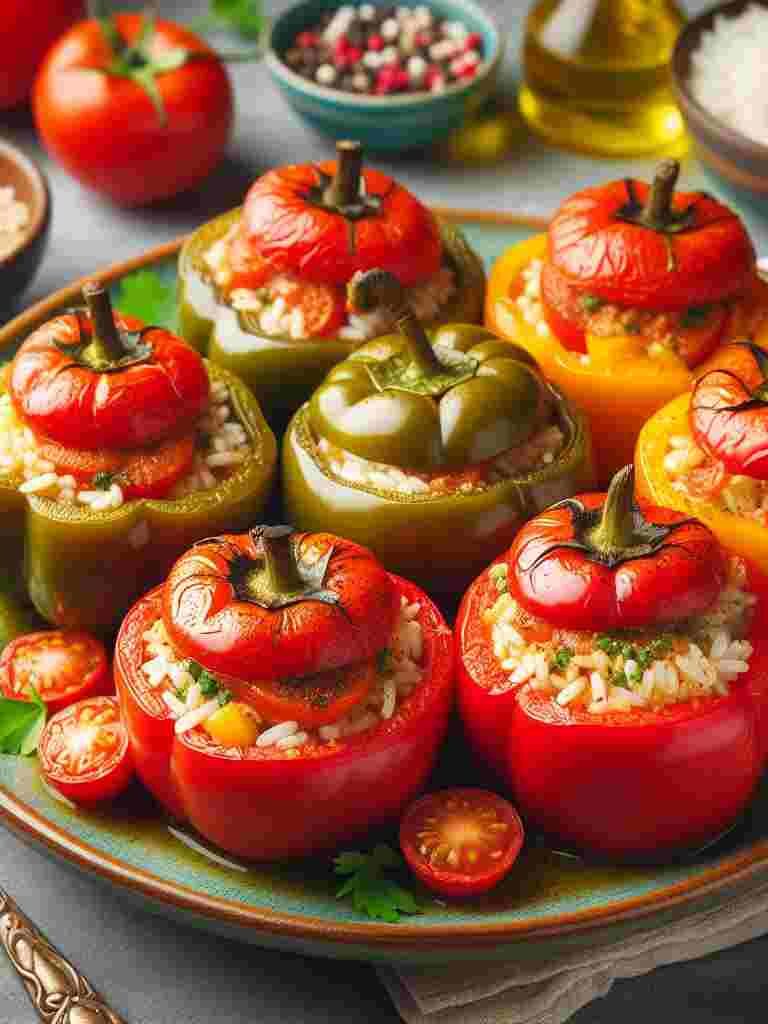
(737, 162)
(18, 267)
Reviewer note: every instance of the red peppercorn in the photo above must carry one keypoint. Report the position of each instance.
(354, 55)
(375, 42)
(473, 41)
(468, 71)
(432, 73)
(424, 39)
(306, 39)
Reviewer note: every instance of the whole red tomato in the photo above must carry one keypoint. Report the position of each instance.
(96, 115)
(26, 40)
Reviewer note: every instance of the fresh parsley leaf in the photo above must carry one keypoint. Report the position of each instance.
(244, 17)
(146, 295)
(372, 893)
(21, 724)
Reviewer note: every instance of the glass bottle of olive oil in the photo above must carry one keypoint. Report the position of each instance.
(596, 74)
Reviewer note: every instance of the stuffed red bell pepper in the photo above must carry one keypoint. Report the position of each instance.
(614, 669)
(283, 692)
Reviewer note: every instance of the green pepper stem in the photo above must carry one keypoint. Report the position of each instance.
(658, 213)
(106, 345)
(380, 288)
(280, 567)
(616, 530)
(344, 189)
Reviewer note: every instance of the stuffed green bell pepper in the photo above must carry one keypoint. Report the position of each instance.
(431, 451)
(262, 288)
(119, 447)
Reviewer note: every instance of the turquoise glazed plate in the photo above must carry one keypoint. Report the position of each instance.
(551, 902)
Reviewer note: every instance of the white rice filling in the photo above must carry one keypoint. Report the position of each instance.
(397, 680)
(276, 317)
(226, 446)
(704, 655)
(741, 495)
(541, 450)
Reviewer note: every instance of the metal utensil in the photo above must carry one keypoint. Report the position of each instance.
(59, 993)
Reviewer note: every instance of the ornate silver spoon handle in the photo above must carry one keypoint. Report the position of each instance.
(59, 993)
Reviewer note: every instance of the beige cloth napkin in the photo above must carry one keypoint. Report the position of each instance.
(550, 991)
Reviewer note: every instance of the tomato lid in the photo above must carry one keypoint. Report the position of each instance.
(729, 412)
(97, 380)
(649, 247)
(597, 562)
(274, 604)
(326, 222)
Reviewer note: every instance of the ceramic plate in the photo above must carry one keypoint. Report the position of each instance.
(550, 898)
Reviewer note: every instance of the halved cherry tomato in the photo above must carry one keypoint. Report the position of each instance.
(143, 473)
(322, 306)
(63, 666)
(461, 842)
(84, 751)
(313, 700)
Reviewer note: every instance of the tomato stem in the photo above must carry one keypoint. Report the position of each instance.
(344, 189)
(380, 288)
(107, 345)
(616, 530)
(280, 565)
(658, 210)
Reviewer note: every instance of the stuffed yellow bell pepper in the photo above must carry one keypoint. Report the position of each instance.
(630, 290)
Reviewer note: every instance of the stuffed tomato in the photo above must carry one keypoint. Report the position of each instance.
(613, 669)
(282, 692)
(119, 447)
(706, 452)
(263, 287)
(631, 289)
(431, 449)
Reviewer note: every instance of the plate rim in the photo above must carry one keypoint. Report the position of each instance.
(26, 822)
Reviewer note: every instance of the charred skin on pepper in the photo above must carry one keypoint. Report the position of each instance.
(584, 350)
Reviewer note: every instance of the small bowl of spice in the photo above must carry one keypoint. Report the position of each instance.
(396, 78)
(25, 214)
(721, 77)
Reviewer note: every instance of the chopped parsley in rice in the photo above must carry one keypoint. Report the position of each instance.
(192, 701)
(741, 495)
(276, 317)
(604, 673)
(223, 445)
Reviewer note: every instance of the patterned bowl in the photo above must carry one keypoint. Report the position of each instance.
(738, 164)
(384, 123)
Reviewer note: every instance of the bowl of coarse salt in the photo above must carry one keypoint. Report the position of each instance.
(25, 216)
(720, 70)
